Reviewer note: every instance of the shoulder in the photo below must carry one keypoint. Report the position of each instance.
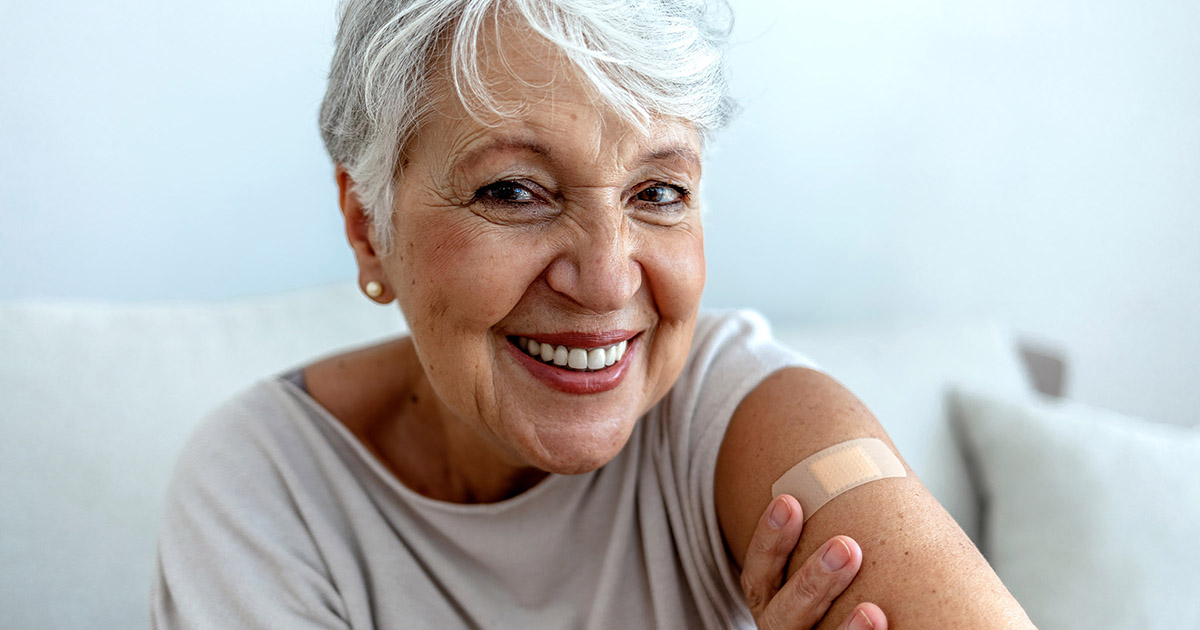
(360, 386)
(250, 421)
(239, 452)
(732, 352)
(726, 340)
(236, 546)
(791, 415)
(240, 425)
(918, 564)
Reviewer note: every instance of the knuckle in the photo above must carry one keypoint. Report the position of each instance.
(764, 543)
(754, 594)
(810, 590)
(769, 622)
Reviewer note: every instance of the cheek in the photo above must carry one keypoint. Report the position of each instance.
(460, 274)
(676, 274)
(675, 269)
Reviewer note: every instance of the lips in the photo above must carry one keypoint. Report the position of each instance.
(562, 370)
(584, 340)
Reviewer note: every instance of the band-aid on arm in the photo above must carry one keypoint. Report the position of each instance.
(834, 470)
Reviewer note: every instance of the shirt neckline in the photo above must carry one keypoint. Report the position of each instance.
(308, 403)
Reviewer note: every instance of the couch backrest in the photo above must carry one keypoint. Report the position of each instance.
(97, 400)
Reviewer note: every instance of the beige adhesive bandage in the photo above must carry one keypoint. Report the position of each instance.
(832, 471)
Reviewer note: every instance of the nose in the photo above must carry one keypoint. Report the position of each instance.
(597, 267)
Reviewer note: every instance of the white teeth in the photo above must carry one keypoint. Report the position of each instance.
(577, 359)
(595, 358)
(574, 358)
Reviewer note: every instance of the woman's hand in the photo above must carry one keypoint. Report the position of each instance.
(802, 600)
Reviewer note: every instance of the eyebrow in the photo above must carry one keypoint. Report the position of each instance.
(473, 156)
(673, 152)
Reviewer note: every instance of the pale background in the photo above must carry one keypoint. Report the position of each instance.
(1032, 163)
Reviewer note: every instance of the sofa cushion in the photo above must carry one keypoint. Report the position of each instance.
(1089, 515)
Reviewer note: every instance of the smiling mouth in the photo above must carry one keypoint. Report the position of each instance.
(572, 358)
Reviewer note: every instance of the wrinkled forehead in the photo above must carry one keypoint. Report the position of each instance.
(526, 92)
(581, 154)
(574, 137)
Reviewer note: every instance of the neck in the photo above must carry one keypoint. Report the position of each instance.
(433, 452)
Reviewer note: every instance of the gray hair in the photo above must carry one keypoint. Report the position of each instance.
(642, 58)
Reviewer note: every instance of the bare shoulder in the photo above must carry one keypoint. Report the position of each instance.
(918, 565)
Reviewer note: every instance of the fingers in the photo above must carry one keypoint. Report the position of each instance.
(803, 600)
(774, 539)
(865, 617)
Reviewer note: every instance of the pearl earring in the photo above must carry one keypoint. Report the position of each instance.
(374, 289)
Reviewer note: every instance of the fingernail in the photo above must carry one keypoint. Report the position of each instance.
(861, 622)
(836, 556)
(779, 514)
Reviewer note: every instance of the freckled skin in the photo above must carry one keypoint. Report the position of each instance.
(589, 254)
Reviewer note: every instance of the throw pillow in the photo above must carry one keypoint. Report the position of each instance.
(1091, 519)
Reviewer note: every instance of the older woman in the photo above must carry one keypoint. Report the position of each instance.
(562, 440)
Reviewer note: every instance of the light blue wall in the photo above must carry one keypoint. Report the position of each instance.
(1036, 163)
(165, 149)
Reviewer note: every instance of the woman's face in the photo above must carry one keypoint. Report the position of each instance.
(565, 226)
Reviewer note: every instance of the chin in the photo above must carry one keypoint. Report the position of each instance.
(575, 452)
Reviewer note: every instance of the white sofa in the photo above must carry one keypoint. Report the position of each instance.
(97, 399)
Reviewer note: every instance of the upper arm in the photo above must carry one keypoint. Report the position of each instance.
(918, 565)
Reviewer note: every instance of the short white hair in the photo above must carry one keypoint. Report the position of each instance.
(642, 58)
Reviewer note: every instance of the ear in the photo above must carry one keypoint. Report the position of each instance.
(360, 232)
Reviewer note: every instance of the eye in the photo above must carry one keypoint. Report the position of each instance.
(514, 202)
(662, 195)
(508, 192)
